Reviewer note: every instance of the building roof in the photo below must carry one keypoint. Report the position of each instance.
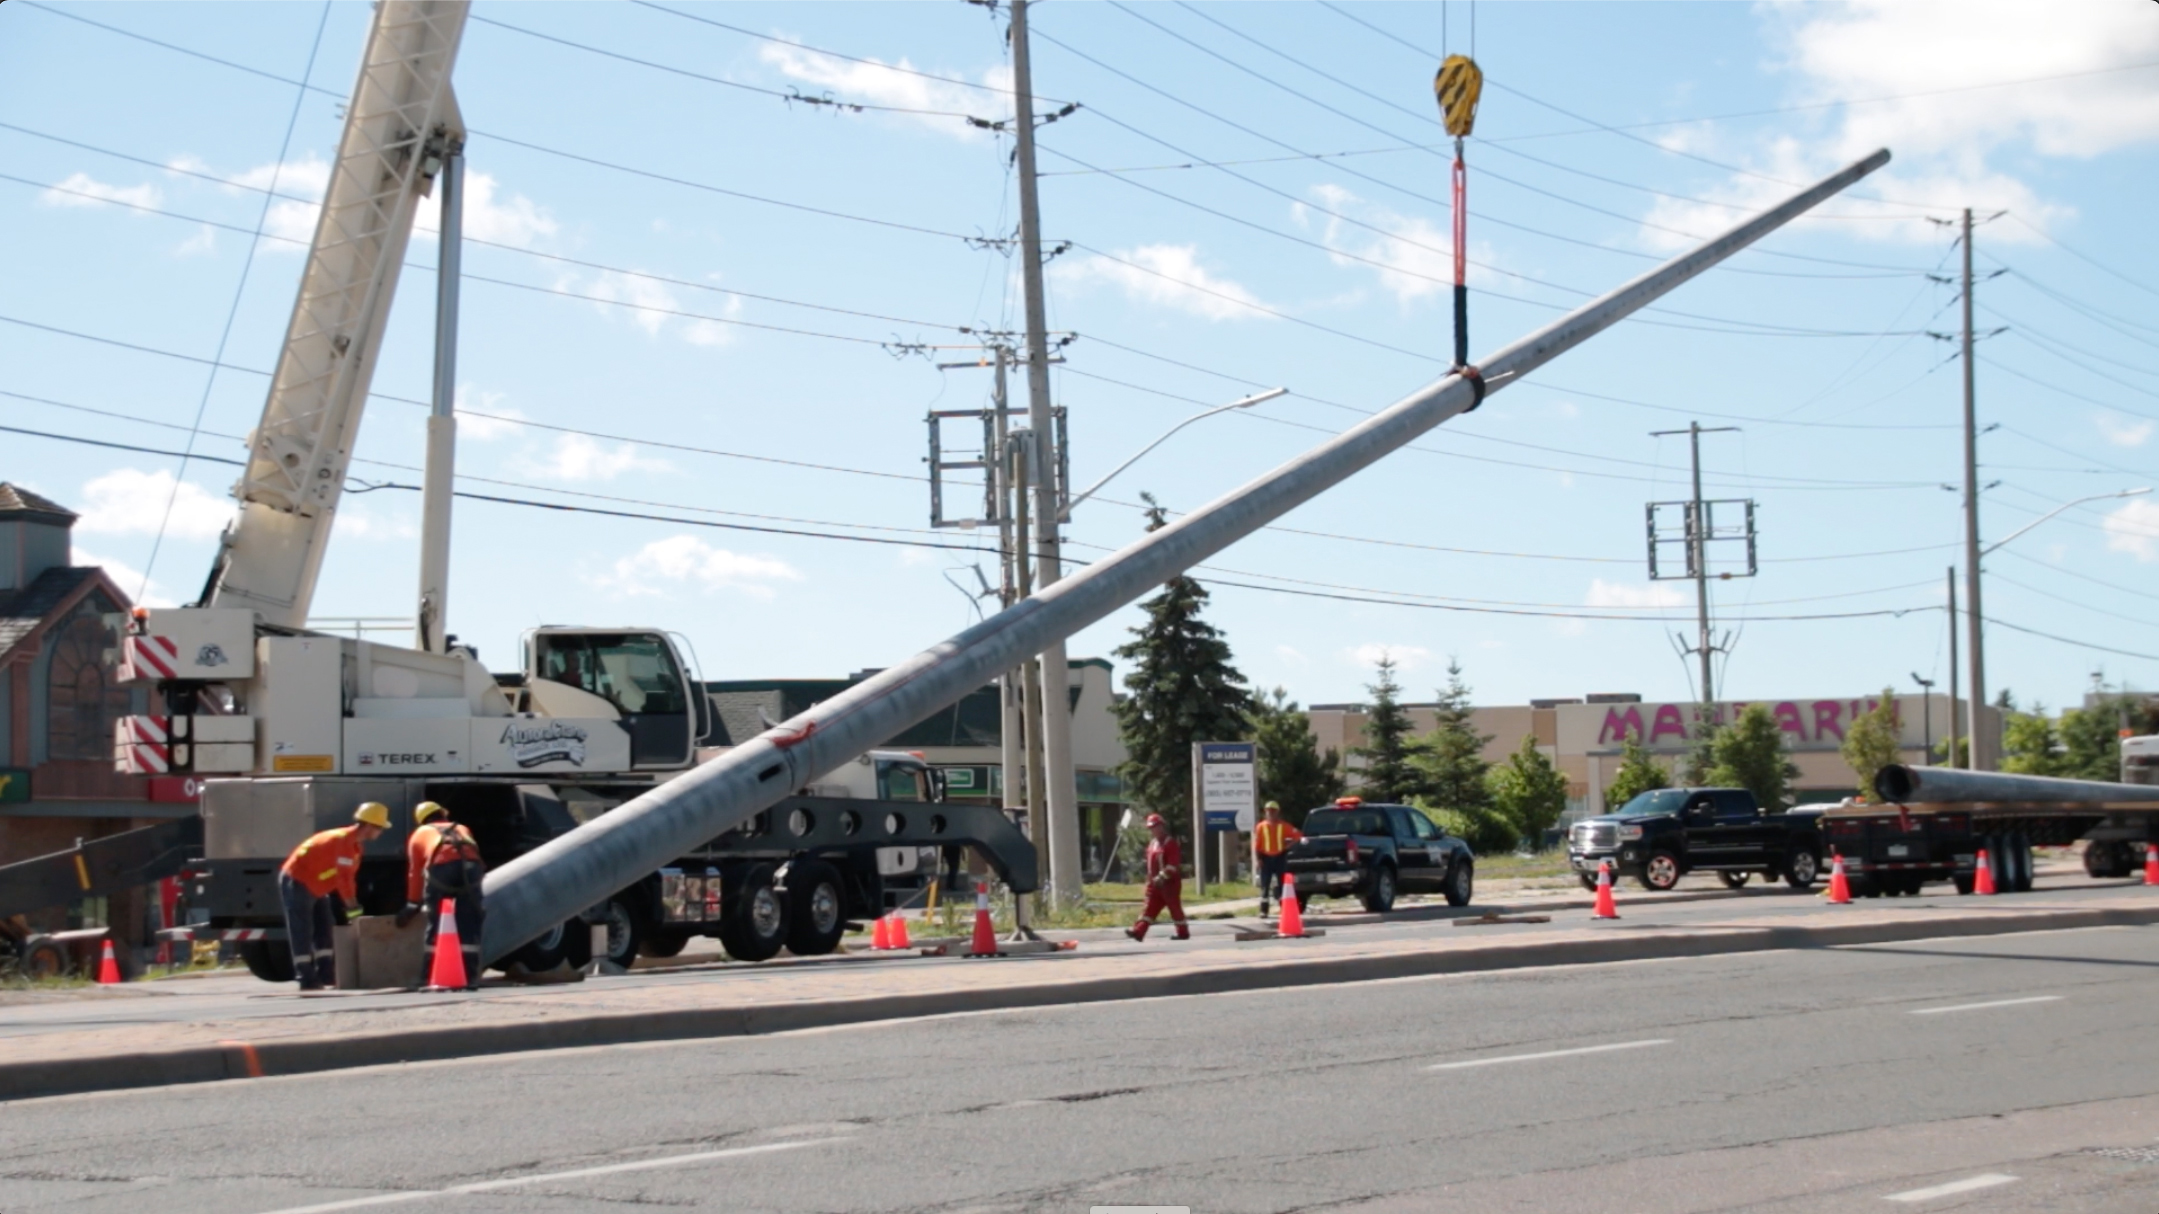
(23, 611)
(976, 720)
(17, 502)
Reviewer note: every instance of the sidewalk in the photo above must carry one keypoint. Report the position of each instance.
(242, 1028)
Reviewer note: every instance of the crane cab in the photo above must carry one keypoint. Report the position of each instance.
(633, 676)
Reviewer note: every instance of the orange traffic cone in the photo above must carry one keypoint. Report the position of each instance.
(1292, 921)
(881, 933)
(108, 969)
(1606, 908)
(448, 973)
(1983, 875)
(2151, 864)
(985, 941)
(897, 937)
(1840, 886)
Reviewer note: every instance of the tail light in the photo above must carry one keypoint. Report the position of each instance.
(1352, 851)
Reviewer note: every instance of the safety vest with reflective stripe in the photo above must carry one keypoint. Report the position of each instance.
(328, 862)
(1272, 838)
(433, 843)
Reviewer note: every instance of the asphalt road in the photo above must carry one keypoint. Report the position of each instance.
(1998, 1073)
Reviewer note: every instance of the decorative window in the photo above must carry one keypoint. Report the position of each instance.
(82, 698)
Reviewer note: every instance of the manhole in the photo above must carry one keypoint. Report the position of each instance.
(2131, 1154)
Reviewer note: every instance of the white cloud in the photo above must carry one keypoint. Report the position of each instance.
(1292, 655)
(2123, 432)
(2133, 527)
(515, 221)
(129, 580)
(72, 193)
(1944, 142)
(203, 241)
(685, 561)
(355, 523)
(132, 502)
(1406, 657)
(878, 84)
(291, 218)
(578, 458)
(501, 422)
(518, 221)
(1155, 275)
(1415, 255)
(1620, 594)
(655, 307)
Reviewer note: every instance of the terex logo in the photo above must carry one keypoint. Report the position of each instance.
(391, 758)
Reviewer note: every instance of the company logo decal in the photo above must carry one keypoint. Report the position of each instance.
(554, 742)
(211, 655)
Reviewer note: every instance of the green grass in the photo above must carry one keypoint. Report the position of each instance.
(1543, 864)
(1217, 891)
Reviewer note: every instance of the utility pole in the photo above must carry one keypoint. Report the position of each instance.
(1697, 535)
(1949, 758)
(1982, 745)
(439, 480)
(1062, 793)
(1011, 693)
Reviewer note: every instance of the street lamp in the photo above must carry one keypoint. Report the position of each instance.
(1926, 712)
(2096, 497)
(1244, 403)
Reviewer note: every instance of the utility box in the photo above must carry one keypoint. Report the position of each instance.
(375, 953)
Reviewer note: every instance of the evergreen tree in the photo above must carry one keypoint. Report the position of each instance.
(1750, 755)
(1181, 689)
(1529, 792)
(1291, 768)
(1387, 775)
(1701, 747)
(1871, 743)
(2091, 739)
(2030, 745)
(1449, 762)
(1639, 772)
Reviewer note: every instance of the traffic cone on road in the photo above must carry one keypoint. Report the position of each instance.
(985, 941)
(1983, 875)
(897, 937)
(448, 972)
(2151, 864)
(1606, 908)
(108, 969)
(1840, 886)
(1292, 921)
(881, 933)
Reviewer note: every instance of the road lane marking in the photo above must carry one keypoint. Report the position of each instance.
(1587, 1049)
(1984, 1181)
(1973, 1007)
(490, 1186)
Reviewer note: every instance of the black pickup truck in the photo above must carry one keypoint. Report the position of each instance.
(1377, 851)
(1662, 835)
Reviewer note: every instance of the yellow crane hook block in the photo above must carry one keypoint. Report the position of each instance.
(1458, 85)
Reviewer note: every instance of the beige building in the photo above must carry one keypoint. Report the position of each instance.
(1583, 737)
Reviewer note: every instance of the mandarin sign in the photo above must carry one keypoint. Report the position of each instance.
(1806, 724)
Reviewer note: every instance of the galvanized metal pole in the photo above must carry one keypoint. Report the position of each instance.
(438, 481)
(1982, 745)
(563, 877)
(1950, 757)
(1062, 842)
(1010, 683)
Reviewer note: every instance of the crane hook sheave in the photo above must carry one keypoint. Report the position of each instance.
(1458, 85)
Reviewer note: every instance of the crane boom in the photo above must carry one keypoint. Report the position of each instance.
(400, 117)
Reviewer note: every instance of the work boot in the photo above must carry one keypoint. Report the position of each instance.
(1137, 931)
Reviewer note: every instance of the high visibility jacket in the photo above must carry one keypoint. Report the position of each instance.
(433, 843)
(1272, 838)
(327, 863)
(1164, 859)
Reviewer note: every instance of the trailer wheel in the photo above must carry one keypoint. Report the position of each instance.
(1964, 883)
(46, 959)
(1659, 872)
(754, 925)
(663, 942)
(1588, 880)
(1734, 880)
(269, 960)
(553, 947)
(816, 909)
(1801, 868)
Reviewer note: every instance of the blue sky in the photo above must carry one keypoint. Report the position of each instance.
(658, 298)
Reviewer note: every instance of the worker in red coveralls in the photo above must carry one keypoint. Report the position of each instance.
(1165, 882)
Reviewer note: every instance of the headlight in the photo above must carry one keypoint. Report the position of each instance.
(1630, 832)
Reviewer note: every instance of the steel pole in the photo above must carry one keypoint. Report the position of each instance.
(1983, 747)
(438, 482)
(1010, 685)
(564, 876)
(1949, 757)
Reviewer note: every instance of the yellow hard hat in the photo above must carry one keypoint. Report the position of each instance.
(427, 809)
(1274, 805)
(374, 813)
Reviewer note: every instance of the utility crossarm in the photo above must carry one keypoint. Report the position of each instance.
(401, 119)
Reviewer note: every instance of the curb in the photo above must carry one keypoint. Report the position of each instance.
(304, 1055)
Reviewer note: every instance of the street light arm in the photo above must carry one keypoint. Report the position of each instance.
(2097, 497)
(1245, 403)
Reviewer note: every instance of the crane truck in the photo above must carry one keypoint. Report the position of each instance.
(289, 729)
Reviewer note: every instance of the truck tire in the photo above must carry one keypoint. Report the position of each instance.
(2020, 857)
(1964, 882)
(1734, 880)
(1378, 895)
(1461, 883)
(1660, 872)
(626, 931)
(269, 960)
(1801, 868)
(816, 909)
(1588, 880)
(754, 925)
(564, 943)
(663, 942)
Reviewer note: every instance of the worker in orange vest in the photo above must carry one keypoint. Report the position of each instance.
(1165, 882)
(442, 862)
(1270, 853)
(319, 885)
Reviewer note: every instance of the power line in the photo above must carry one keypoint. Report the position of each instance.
(2087, 259)
(2079, 603)
(170, 46)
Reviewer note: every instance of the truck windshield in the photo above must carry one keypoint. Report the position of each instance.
(634, 670)
(1656, 801)
(1346, 822)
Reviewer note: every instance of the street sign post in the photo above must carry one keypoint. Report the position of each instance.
(1225, 796)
